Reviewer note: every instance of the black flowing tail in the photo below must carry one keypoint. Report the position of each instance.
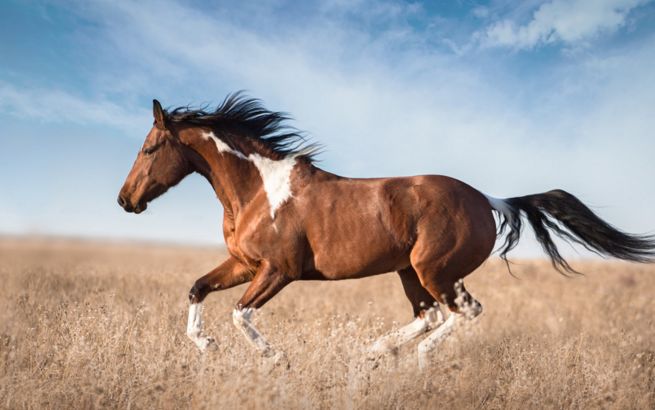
(570, 219)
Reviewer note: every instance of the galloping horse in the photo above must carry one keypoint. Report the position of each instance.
(285, 219)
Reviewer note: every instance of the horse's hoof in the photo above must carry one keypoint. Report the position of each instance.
(211, 344)
(282, 361)
(206, 344)
(377, 349)
(275, 359)
(381, 348)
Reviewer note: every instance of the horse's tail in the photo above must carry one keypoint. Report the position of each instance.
(565, 215)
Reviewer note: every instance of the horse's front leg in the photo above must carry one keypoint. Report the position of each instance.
(228, 274)
(267, 283)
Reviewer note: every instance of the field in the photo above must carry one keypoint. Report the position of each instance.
(103, 325)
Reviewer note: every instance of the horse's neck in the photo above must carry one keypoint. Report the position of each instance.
(233, 177)
(237, 178)
(235, 181)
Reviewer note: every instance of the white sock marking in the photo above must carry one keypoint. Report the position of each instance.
(194, 327)
(435, 338)
(276, 174)
(399, 337)
(241, 319)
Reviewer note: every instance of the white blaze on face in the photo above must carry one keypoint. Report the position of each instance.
(276, 174)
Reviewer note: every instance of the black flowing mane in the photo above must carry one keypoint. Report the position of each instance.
(239, 117)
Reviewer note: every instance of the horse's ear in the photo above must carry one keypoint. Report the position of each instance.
(158, 113)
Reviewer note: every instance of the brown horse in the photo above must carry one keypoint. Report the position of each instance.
(286, 219)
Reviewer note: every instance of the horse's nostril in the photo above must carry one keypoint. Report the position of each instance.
(121, 201)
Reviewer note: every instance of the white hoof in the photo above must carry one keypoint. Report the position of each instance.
(202, 342)
(206, 343)
(272, 359)
(379, 348)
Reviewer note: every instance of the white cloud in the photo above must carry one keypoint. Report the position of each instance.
(567, 21)
(338, 81)
(481, 12)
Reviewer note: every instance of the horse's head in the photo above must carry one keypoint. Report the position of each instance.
(160, 164)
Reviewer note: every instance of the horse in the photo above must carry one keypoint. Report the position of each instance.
(286, 219)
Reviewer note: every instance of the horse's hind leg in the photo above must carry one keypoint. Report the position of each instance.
(426, 312)
(417, 295)
(461, 305)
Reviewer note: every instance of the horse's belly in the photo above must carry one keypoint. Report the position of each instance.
(348, 259)
(358, 228)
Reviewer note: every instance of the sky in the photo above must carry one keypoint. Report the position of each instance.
(513, 98)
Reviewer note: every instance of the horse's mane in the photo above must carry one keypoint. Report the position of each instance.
(243, 117)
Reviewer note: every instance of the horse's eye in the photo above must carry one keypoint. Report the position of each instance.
(149, 150)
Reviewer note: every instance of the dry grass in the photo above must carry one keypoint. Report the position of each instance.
(90, 325)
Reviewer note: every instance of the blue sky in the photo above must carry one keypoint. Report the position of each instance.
(513, 99)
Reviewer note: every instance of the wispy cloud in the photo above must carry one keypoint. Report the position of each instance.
(570, 22)
(339, 81)
(58, 106)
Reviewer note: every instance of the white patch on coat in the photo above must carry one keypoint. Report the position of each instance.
(500, 206)
(221, 146)
(276, 174)
(194, 327)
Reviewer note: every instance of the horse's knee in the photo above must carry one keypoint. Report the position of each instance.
(198, 291)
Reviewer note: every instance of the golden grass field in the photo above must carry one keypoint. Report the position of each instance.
(88, 325)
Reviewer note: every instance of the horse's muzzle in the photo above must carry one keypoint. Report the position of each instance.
(122, 202)
(128, 207)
